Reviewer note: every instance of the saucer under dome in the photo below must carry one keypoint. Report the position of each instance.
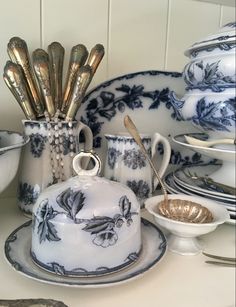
(86, 226)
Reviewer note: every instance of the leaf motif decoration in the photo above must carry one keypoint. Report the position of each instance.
(46, 229)
(72, 202)
(125, 205)
(98, 224)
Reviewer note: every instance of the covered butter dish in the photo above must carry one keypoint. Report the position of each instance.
(87, 225)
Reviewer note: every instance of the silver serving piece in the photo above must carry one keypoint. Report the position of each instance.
(177, 209)
(18, 53)
(15, 80)
(221, 260)
(41, 67)
(78, 56)
(82, 82)
(56, 54)
(95, 57)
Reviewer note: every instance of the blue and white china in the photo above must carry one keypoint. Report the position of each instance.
(11, 144)
(193, 177)
(145, 97)
(87, 225)
(221, 39)
(40, 163)
(174, 188)
(17, 253)
(226, 173)
(126, 163)
(183, 237)
(212, 61)
(209, 111)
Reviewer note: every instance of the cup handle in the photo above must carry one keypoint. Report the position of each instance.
(158, 138)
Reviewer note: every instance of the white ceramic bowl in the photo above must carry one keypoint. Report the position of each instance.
(10, 148)
(210, 112)
(183, 237)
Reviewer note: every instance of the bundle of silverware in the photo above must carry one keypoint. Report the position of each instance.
(38, 87)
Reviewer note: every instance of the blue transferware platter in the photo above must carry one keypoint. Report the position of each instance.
(144, 96)
(17, 253)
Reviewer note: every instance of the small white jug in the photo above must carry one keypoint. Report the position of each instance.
(126, 163)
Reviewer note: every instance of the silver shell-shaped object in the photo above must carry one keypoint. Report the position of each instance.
(184, 211)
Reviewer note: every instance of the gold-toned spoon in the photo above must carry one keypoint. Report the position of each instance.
(78, 57)
(15, 80)
(56, 58)
(82, 82)
(196, 142)
(18, 53)
(173, 208)
(41, 67)
(95, 57)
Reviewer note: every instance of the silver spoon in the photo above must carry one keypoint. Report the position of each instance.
(196, 142)
(56, 57)
(177, 205)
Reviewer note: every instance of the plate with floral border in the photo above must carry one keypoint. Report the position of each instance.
(144, 96)
(17, 254)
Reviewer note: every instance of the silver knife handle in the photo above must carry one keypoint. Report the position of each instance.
(56, 54)
(95, 57)
(15, 80)
(82, 82)
(41, 67)
(18, 52)
(78, 57)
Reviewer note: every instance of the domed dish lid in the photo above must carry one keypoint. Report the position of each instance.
(98, 193)
(225, 36)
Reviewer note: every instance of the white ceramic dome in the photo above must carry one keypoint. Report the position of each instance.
(85, 226)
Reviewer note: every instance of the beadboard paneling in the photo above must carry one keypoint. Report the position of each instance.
(75, 22)
(189, 21)
(228, 15)
(17, 18)
(137, 35)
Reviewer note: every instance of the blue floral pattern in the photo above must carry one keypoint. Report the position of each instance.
(106, 105)
(103, 229)
(37, 144)
(215, 116)
(140, 188)
(28, 194)
(134, 158)
(112, 156)
(46, 229)
(211, 77)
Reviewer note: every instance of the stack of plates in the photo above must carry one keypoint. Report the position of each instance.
(190, 180)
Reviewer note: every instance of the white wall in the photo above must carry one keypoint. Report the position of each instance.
(137, 35)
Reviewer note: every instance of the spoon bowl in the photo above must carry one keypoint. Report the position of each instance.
(197, 142)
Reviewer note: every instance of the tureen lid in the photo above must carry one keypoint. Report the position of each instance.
(86, 191)
(224, 36)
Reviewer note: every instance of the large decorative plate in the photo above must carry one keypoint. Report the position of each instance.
(144, 96)
(17, 253)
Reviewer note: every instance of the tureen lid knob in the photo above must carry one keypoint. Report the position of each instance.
(77, 163)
